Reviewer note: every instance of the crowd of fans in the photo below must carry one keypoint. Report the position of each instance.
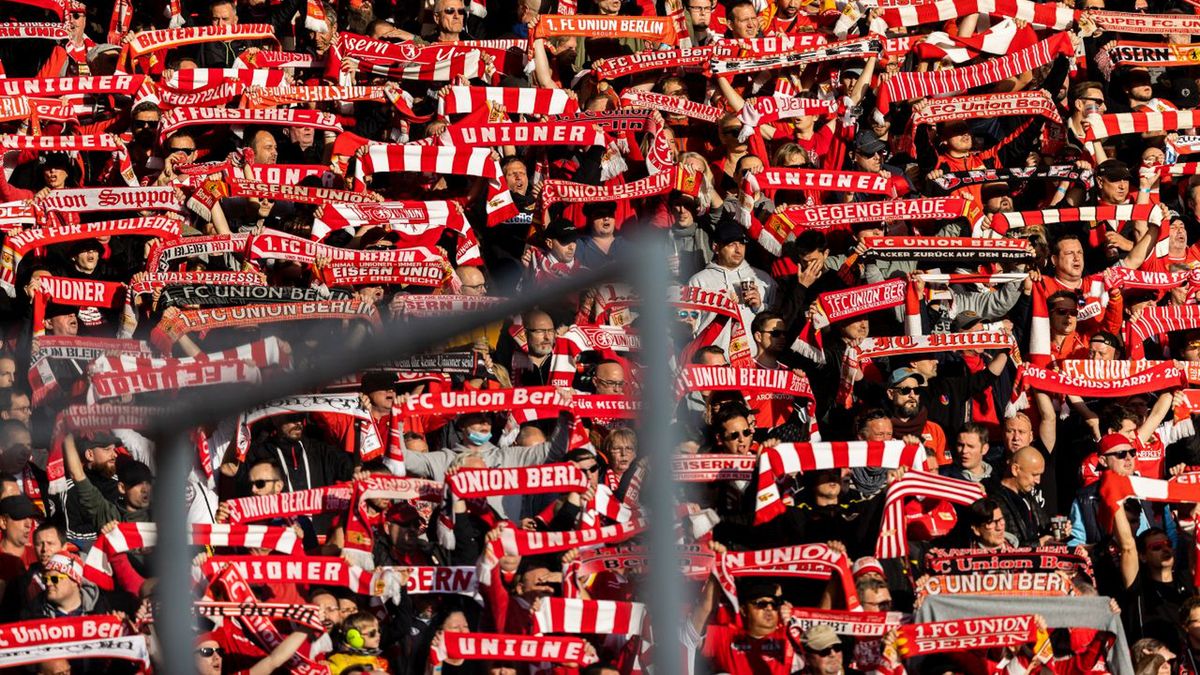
(933, 324)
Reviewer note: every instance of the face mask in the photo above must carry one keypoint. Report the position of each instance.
(478, 437)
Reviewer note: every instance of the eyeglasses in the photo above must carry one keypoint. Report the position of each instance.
(263, 482)
(905, 391)
(451, 11)
(76, 15)
(1119, 454)
(616, 384)
(1065, 312)
(52, 579)
(765, 603)
(700, 8)
(542, 331)
(476, 287)
(827, 651)
(207, 652)
(734, 435)
(995, 522)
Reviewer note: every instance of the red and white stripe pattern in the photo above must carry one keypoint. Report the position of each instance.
(442, 159)
(605, 503)
(467, 64)
(1119, 124)
(995, 41)
(1045, 15)
(1158, 321)
(201, 78)
(127, 537)
(393, 215)
(959, 278)
(1003, 222)
(789, 458)
(588, 617)
(516, 100)
(263, 353)
(1039, 330)
(676, 105)
(893, 542)
(907, 86)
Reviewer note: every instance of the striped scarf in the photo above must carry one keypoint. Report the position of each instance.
(1043, 15)
(1120, 124)
(1158, 321)
(460, 99)
(893, 542)
(907, 86)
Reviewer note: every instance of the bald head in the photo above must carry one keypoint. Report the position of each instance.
(1026, 468)
(472, 280)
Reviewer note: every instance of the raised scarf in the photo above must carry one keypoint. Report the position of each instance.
(442, 159)
(1154, 24)
(270, 97)
(296, 193)
(724, 312)
(361, 526)
(844, 622)
(1017, 584)
(174, 377)
(166, 251)
(978, 106)
(258, 635)
(1035, 559)
(959, 250)
(893, 539)
(588, 617)
(87, 142)
(38, 632)
(216, 95)
(1151, 54)
(480, 400)
(194, 80)
(710, 468)
(906, 86)
(750, 381)
(127, 648)
(524, 542)
(506, 647)
(674, 105)
(856, 48)
(338, 404)
(1161, 377)
(1042, 15)
(689, 58)
(17, 246)
(308, 615)
(425, 306)
(299, 569)
(1158, 321)
(805, 561)
(330, 499)
(824, 216)
(75, 293)
(955, 180)
(181, 118)
(789, 458)
(148, 42)
(771, 109)
(124, 85)
(169, 330)
(223, 295)
(43, 31)
(555, 190)
(960, 635)
(656, 29)
(459, 580)
(1120, 124)
(460, 99)
(543, 478)
(50, 348)
(102, 199)
(818, 179)
(278, 245)
(523, 134)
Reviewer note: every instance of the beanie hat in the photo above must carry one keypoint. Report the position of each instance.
(68, 564)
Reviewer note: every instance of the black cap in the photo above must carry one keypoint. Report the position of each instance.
(56, 309)
(59, 159)
(562, 230)
(82, 245)
(132, 472)
(1113, 170)
(756, 589)
(99, 439)
(599, 209)
(19, 507)
(1183, 92)
(964, 321)
(954, 128)
(993, 190)
(867, 143)
(728, 232)
(379, 236)
(377, 381)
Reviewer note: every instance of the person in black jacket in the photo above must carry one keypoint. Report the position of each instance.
(1024, 517)
(307, 462)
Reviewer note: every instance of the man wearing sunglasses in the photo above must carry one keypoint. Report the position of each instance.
(760, 645)
(1118, 456)
(449, 17)
(67, 592)
(910, 415)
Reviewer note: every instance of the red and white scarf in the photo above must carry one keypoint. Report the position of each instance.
(1153, 24)
(747, 380)
(818, 179)
(125, 648)
(203, 79)
(125, 375)
(337, 404)
(524, 543)
(805, 561)
(981, 106)
(825, 216)
(789, 458)
(675, 105)
(1042, 15)
(724, 312)
(40, 632)
(523, 134)
(181, 118)
(835, 306)
(42, 31)
(555, 191)
(544, 478)
(856, 48)
(17, 246)
(961, 250)
(907, 86)
(433, 215)
(653, 29)
(1120, 124)
(690, 58)
(771, 109)
(710, 468)
(506, 647)
(1003, 222)
(588, 617)
(1158, 321)
(893, 541)
(148, 42)
(844, 622)
(100, 200)
(124, 85)
(960, 635)
(1163, 375)
(166, 251)
(460, 99)
(72, 292)
(169, 330)
(453, 160)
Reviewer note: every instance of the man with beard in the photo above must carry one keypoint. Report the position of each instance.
(910, 418)
(144, 126)
(533, 368)
(99, 465)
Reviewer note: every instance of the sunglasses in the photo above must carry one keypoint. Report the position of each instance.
(1120, 454)
(595, 468)
(775, 333)
(688, 314)
(730, 131)
(908, 390)
(1065, 312)
(619, 384)
(452, 12)
(53, 579)
(765, 603)
(263, 482)
(187, 150)
(207, 652)
(373, 633)
(142, 124)
(734, 435)
(827, 651)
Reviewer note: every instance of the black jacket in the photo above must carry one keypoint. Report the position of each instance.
(307, 463)
(1023, 516)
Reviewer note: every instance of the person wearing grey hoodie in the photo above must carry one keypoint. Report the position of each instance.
(475, 435)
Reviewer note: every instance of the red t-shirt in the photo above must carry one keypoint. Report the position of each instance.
(732, 651)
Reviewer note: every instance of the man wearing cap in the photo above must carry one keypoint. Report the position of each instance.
(1118, 456)
(601, 244)
(307, 462)
(99, 466)
(753, 289)
(558, 259)
(823, 652)
(67, 592)
(18, 517)
(134, 490)
(870, 155)
(910, 417)
(758, 646)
